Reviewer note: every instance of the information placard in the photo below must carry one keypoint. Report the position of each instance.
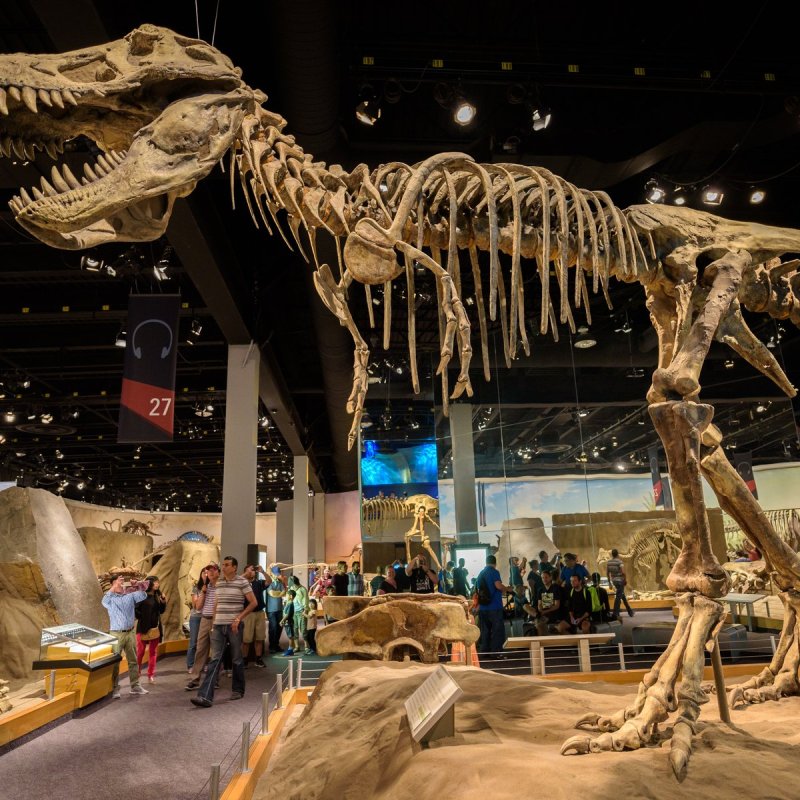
(431, 701)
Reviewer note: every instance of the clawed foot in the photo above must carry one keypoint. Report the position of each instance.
(740, 695)
(631, 736)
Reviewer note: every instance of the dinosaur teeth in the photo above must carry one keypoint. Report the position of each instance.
(58, 181)
(14, 93)
(69, 97)
(50, 147)
(89, 173)
(26, 198)
(29, 98)
(70, 178)
(5, 146)
(105, 163)
(47, 188)
(19, 147)
(56, 97)
(36, 193)
(30, 152)
(44, 96)
(3, 102)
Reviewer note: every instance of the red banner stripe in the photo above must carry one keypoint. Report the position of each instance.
(155, 404)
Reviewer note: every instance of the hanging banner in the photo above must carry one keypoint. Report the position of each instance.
(147, 407)
(744, 466)
(661, 490)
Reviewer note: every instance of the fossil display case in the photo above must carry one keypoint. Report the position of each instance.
(75, 646)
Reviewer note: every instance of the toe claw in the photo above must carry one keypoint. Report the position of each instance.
(578, 745)
(736, 695)
(589, 720)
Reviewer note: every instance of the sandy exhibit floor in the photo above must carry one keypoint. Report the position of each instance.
(353, 742)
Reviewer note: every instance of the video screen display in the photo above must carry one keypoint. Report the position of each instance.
(386, 466)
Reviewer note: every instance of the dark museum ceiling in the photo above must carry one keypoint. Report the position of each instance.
(700, 97)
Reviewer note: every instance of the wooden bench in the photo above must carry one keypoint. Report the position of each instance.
(536, 643)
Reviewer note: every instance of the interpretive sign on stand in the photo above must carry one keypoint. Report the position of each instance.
(431, 709)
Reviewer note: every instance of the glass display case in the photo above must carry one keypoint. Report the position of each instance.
(75, 646)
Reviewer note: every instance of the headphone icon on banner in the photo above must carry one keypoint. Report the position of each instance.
(137, 351)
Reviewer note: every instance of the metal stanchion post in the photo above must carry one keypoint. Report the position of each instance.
(621, 657)
(719, 682)
(279, 689)
(265, 713)
(244, 763)
(51, 693)
(213, 784)
(291, 675)
(299, 677)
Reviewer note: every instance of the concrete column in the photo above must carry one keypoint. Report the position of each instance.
(284, 523)
(301, 520)
(464, 472)
(241, 449)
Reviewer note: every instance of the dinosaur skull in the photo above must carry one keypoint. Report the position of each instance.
(162, 108)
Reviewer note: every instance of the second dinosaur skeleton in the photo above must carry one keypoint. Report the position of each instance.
(165, 109)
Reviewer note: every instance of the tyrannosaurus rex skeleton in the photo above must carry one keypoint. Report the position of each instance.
(164, 109)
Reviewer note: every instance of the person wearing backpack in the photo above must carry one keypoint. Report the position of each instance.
(601, 609)
(579, 605)
(490, 607)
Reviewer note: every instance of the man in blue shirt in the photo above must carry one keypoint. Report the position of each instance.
(572, 567)
(121, 609)
(490, 614)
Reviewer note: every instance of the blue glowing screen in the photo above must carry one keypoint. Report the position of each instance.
(391, 463)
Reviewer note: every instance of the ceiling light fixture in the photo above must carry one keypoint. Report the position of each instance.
(368, 108)
(729, 364)
(653, 192)
(46, 418)
(196, 327)
(464, 112)
(121, 339)
(10, 416)
(91, 263)
(540, 117)
(679, 198)
(712, 195)
(584, 342)
(757, 196)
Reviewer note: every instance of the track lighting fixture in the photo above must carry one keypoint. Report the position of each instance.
(540, 117)
(584, 342)
(10, 416)
(712, 195)
(92, 263)
(368, 109)
(462, 110)
(122, 338)
(757, 196)
(196, 328)
(653, 192)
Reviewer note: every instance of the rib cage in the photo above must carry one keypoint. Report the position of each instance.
(785, 522)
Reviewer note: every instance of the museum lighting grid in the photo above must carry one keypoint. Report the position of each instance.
(60, 377)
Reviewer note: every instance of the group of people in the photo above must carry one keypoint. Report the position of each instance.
(230, 614)
(134, 612)
(560, 598)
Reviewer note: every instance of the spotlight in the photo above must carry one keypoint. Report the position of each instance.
(161, 267)
(653, 192)
(728, 363)
(464, 112)
(583, 412)
(46, 418)
(712, 195)
(757, 196)
(92, 263)
(2, 438)
(366, 420)
(59, 455)
(81, 485)
(10, 416)
(196, 327)
(25, 383)
(679, 197)
(540, 118)
(368, 109)
(584, 342)
(121, 339)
